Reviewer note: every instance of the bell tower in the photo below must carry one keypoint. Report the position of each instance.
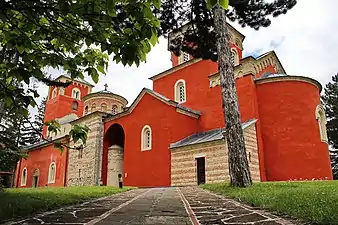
(63, 101)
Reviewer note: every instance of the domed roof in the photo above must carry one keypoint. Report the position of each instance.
(105, 93)
(269, 74)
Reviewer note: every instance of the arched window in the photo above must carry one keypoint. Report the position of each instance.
(114, 109)
(54, 93)
(62, 90)
(24, 177)
(76, 93)
(320, 116)
(75, 105)
(86, 110)
(52, 173)
(234, 57)
(183, 57)
(146, 138)
(104, 107)
(180, 91)
(93, 107)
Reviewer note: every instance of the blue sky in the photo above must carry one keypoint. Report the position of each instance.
(305, 40)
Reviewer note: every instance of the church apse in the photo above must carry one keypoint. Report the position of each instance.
(113, 155)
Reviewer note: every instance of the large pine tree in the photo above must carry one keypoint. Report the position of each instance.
(330, 100)
(206, 36)
(31, 130)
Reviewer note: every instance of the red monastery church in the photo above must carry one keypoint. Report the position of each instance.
(173, 135)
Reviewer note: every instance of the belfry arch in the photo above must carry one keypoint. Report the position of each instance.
(113, 155)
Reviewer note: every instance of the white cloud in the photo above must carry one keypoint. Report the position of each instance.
(305, 40)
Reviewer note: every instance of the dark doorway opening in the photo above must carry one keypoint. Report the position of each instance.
(200, 162)
(113, 149)
(35, 182)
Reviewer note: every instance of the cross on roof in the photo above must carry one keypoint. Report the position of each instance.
(105, 87)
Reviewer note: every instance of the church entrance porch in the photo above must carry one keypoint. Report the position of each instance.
(113, 155)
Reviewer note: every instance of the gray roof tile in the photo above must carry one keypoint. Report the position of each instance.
(206, 136)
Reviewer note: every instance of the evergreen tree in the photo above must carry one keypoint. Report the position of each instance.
(31, 130)
(206, 36)
(39, 118)
(330, 101)
(28, 132)
(334, 163)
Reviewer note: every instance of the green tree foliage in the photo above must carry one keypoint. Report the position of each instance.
(76, 36)
(40, 116)
(334, 163)
(11, 121)
(199, 38)
(28, 132)
(330, 101)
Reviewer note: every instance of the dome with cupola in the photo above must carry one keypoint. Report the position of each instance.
(104, 101)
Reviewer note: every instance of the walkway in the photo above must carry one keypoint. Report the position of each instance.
(170, 206)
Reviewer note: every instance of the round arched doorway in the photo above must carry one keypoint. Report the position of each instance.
(35, 180)
(112, 158)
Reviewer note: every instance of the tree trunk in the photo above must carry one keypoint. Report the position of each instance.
(238, 163)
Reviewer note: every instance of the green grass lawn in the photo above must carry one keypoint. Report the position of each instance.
(315, 202)
(27, 201)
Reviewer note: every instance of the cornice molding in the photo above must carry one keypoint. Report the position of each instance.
(174, 69)
(290, 78)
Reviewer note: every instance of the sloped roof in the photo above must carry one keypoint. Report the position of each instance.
(159, 97)
(43, 143)
(105, 93)
(77, 79)
(206, 136)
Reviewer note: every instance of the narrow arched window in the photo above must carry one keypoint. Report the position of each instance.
(103, 107)
(62, 90)
(93, 107)
(75, 105)
(183, 57)
(321, 118)
(146, 138)
(52, 173)
(86, 110)
(180, 91)
(54, 93)
(234, 57)
(76, 93)
(114, 109)
(24, 177)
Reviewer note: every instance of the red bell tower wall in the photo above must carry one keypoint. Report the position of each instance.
(60, 101)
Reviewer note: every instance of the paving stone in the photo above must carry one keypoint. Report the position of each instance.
(155, 207)
(254, 217)
(214, 209)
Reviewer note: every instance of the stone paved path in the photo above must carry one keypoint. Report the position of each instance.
(170, 206)
(213, 209)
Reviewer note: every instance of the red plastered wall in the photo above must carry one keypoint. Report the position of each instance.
(61, 105)
(149, 168)
(41, 159)
(292, 145)
(198, 93)
(248, 105)
(270, 68)
(174, 58)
